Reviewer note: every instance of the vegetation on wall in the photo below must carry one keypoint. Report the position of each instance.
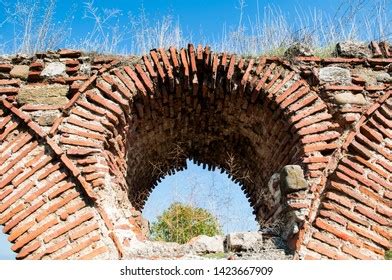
(266, 30)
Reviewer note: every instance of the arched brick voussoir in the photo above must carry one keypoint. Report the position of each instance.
(201, 77)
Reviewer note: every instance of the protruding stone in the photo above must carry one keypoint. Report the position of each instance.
(383, 77)
(53, 69)
(20, 71)
(353, 49)
(244, 241)
(47, 118)
(348, 97)
(292, 179)
(299, 49)
(85, 68)
(43, 94)
(203, 244)
(336, 75)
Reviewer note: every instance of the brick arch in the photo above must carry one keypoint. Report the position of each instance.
(72, 189)
(216, 108)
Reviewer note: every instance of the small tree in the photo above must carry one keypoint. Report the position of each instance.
(181, 222)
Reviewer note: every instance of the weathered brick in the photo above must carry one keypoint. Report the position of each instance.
(45, 187)
(372, 166)
(55, 247)
(70, 225)
(105, 218)
(355, 252)
(117, 243)
(60, 190)
(78, 247)
(86, 125)
(337, 231)
(319, 147)
(8, 129)
(79, 142)
(340, 87)
(28, 250)
(383, 231)
(116, 98)
(16, 196)
(23, 141)
(18, 231)
(34, 234)
(326, 250)
(82, 231)
(327, 239)
(368, 212)
(368, 234)
(5, 181)
(23, 215)
(57, 205)
(7, 216)
(339, 199)
(352, 193)
(44, 162)
(330, 135)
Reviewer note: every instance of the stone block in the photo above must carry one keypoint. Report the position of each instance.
(335, 75)
(348, 97)
(244, 241)
(43, 94)
(20, 71)
(299, 49)
(353, 49)
(292, 179)
(203, 244)
(54, 69)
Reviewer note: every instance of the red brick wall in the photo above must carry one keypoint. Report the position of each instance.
(73, 175)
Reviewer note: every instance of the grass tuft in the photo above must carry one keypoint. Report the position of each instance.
(268, 30)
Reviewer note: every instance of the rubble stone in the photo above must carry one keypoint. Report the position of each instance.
(53, 69)
(336, 75)
(353, 49)
(20, 71)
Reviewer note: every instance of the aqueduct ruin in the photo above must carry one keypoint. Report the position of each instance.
(84, 139)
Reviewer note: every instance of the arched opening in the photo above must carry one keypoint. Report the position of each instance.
(210, 190)
(229, 122)
(222, 127)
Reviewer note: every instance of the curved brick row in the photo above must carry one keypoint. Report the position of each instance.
(355, 213)
(42, 208)
(126, 126)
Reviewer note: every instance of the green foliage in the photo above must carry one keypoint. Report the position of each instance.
(181, 222)
(388, 255)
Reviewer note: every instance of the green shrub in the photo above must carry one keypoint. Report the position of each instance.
(388, 255)
(181, 222)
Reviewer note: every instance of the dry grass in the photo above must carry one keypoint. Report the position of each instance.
(268, 30)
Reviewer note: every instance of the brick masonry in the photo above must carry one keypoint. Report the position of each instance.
(74, 175)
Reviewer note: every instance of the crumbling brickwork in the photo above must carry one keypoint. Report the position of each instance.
(84, 140)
